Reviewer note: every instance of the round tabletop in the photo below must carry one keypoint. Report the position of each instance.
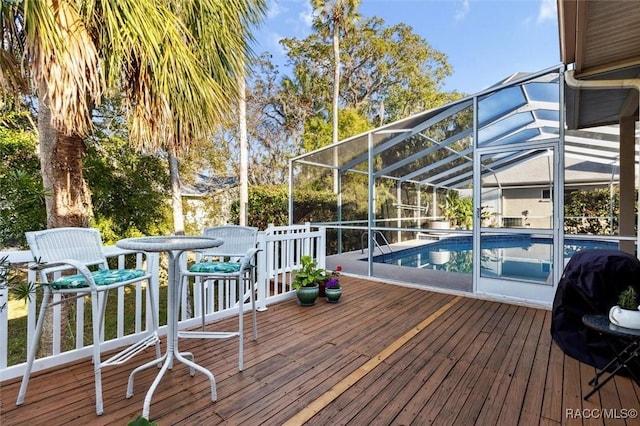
(602, 324)
(174, 242)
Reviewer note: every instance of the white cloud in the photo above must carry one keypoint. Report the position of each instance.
(292, 16)
(274, 43)
(547, 11)
(306, 15)
(462, 10)
(274, 10)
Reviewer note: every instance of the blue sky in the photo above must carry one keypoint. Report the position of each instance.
(485, 40)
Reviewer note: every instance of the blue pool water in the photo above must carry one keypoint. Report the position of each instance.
(504, 256)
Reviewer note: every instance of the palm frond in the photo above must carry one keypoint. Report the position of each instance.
(176, 62)
(64, 61)
(180, 68)
(11, 79)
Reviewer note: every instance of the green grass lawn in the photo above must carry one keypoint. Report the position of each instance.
(17, 339)
(17, 309)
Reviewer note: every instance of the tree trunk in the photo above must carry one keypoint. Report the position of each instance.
(67, 199)
(176, 196)
(336, 81)
(244, 153)
(336, 95)
(178, 215)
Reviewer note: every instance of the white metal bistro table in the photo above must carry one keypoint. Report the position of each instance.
(174, 246)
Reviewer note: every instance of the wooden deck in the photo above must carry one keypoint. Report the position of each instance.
(384, 355)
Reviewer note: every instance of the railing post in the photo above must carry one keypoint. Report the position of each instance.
(153, 267)
(322, 247)
(4, 323)
(32, 311)
(307, 241)
(262, 279)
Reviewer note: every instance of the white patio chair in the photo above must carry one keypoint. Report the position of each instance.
(233, 260)
(79, 251)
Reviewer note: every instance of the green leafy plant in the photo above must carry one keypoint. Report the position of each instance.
(19, 289)
(458, 211)
(309, 275)
(141, 421)
(628, 299)
(21, 189)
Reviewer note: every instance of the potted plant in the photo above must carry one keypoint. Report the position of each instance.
(306, 281)
(458, 211)
(450, 208)
(141, 421)
(333, 289)
(438, 224)
(321, 285)
(627, 312)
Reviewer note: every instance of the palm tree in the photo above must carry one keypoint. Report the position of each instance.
(175, 63)
(334, 17)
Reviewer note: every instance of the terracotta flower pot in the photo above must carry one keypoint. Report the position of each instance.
(321, 287)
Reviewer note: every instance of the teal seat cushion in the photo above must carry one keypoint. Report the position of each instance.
(101, 277)
(213, 267)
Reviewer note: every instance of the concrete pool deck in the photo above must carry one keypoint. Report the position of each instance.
(355, 263)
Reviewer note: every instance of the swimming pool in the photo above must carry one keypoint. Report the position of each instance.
(503, 256)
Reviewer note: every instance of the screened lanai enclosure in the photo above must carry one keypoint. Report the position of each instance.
(489, 194)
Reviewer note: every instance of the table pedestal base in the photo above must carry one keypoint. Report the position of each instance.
(168, 364)
(174, 246)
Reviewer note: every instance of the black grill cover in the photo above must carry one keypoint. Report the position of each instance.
(590, 284)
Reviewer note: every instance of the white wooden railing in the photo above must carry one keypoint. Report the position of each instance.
(281, 250)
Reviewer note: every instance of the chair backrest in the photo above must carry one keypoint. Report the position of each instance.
(81, 244)
(237, 239)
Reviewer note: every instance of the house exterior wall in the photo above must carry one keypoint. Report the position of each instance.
(538, 206)
(526, 207)
(208, 210)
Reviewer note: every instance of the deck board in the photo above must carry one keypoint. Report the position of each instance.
(477, 362)
(532, 404)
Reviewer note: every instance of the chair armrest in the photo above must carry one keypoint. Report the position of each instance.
(252, 252)
(249, 255)
(66, 264)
